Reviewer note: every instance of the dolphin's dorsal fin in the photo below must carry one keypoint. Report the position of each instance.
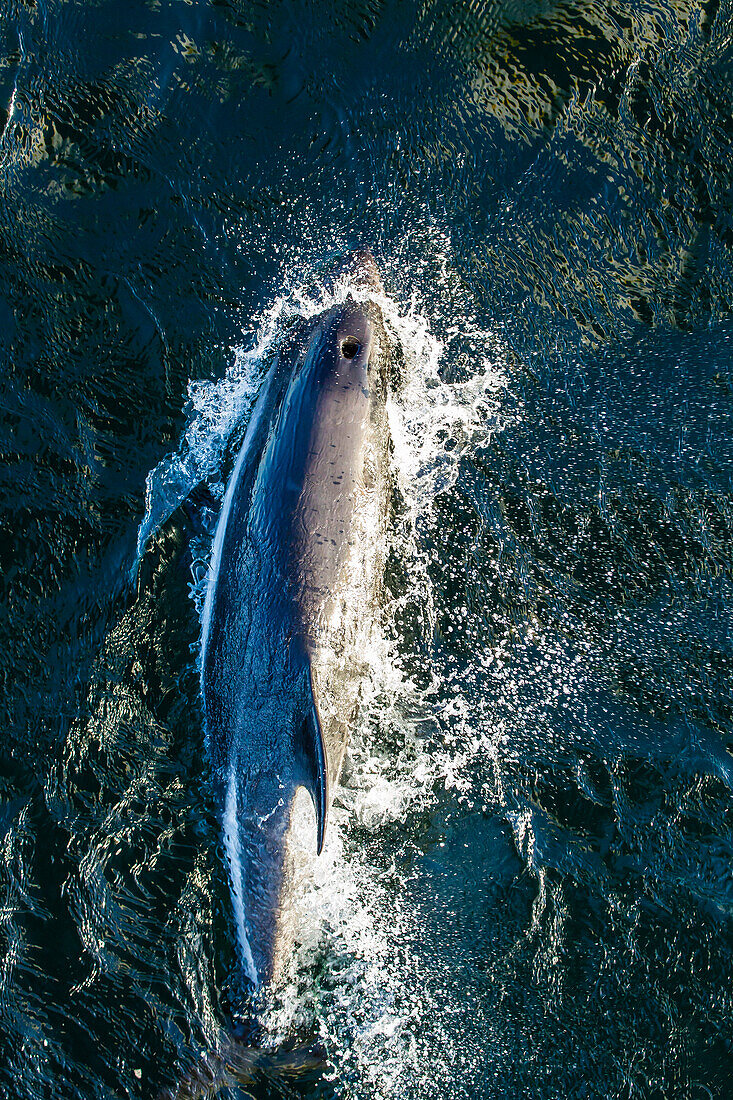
(315, 766)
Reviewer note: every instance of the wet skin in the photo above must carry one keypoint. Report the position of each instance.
(280, 602)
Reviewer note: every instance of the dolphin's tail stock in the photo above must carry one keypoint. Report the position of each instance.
(234, 1063)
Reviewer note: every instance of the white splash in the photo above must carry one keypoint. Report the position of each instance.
(217, 410)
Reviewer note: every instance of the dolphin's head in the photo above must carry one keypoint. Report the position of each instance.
(352, 348)
(349, 342)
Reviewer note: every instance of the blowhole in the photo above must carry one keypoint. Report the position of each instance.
(350, 347)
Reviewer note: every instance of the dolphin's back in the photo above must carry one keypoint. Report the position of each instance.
(286, 530)
(235, 569)
(311, 481)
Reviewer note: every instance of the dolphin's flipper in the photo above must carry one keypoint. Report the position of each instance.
(314, 765)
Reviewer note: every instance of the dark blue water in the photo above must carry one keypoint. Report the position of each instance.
(527, 889)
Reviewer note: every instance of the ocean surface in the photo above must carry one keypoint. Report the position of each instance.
(527, 887)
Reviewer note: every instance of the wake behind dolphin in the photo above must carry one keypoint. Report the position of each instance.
(294, 570)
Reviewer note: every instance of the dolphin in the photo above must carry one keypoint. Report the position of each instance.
(295, 569)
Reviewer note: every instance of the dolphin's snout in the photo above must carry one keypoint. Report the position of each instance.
(360, 268)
